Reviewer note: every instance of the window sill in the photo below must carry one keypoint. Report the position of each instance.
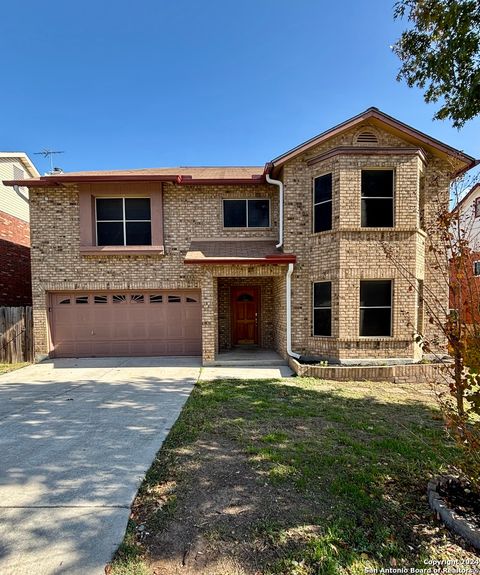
(247, 229)
(376, 337)
(361, 229)
(121, 250)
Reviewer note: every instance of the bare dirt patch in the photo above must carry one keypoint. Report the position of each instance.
(295, 478)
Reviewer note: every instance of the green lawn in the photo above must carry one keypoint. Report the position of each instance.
(6, 367)
(293, 477)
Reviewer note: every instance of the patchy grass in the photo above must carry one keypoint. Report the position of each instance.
(6, 367)
(293, 477)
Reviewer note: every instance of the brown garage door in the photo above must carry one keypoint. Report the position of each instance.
(126, 323)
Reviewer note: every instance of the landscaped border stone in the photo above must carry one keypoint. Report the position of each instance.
(409, 373)
(457, 524)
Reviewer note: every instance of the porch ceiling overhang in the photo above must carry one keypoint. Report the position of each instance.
(235, 252)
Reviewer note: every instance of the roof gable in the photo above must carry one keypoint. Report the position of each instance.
(470, 196)
(23, 159)
(385, 122)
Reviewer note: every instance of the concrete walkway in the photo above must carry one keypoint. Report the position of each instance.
(76, 438)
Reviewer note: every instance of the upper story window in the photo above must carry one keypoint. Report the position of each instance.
(322, 203)
(123, 222)
(246, 213)
(476, 208)
(476, 268)
(377, 199)
(376, 308)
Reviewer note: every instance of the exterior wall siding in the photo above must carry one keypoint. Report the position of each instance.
(10, 202)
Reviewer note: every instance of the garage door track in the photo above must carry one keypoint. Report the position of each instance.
(76, 438)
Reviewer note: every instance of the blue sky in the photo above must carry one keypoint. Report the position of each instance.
(145, 83)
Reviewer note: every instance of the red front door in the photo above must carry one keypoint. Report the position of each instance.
(245, 316)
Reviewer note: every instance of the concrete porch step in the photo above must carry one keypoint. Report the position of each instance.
(247, 362)
(248, 357)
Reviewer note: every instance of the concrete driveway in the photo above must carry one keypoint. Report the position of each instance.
(76, 438)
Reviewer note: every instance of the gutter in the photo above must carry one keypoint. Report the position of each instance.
(462, 171)
(52, 181)
(280, 207)
(289, 313)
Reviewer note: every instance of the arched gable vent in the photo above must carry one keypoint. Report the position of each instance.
(367, 138)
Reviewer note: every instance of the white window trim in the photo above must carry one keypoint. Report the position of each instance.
(124, 220)
(474, 264)
(314, 307)
(246, 208)
(320, 203)
(390, 307)
(392, 197)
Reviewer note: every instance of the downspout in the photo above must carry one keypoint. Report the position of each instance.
(289, 313)
(21, 194)
(280, 207)
(279, 183)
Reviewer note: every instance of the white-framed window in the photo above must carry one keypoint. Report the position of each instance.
(123, 221)
(376, 308)
(322, 203)
(246, 213)
(322, 308)
(476, 268)
(377, 210)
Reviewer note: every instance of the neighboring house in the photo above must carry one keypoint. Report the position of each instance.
(465, 272)
(469, 215)
(184, 261)
(15, 277)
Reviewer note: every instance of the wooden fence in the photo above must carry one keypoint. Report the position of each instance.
(16, 334)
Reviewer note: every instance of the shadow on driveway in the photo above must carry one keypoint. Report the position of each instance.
(76, 438)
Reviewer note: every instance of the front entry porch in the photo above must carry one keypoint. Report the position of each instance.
(246, 315)
(243, 297)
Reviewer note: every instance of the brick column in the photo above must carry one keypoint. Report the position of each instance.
(209, 319)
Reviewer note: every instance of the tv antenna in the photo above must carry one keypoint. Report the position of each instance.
(49, 154)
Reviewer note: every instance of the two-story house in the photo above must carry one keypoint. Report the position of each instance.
(15, 279)
(288, 256)
(465, 268)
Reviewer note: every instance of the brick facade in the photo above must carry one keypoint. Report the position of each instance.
(345, 255)
(348, 253)
(15, 275)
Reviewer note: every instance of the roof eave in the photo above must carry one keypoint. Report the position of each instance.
(56, 181)
(24, 159)
(269, 260)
